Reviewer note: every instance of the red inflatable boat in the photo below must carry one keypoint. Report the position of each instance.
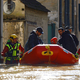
(48, 54)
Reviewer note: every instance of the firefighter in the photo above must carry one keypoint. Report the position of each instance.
(11, 50)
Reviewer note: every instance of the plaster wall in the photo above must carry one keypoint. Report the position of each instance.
(36, 18)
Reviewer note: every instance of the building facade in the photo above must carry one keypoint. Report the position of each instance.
(36, 15)
(23, 19)
(69, 15)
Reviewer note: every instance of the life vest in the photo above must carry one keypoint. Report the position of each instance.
(12, 53)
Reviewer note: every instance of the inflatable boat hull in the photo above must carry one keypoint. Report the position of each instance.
(48, 54)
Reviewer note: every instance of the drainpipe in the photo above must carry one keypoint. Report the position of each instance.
(60, 13)
(1, 25)
(68, 17)
(73, 15)
(76, 17)
(66, 13)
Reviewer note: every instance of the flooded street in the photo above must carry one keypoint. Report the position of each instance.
(27, 72)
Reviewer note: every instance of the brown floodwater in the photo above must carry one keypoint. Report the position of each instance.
(40, 72)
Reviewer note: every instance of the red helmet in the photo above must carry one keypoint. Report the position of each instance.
(54, 40)
(78, 51)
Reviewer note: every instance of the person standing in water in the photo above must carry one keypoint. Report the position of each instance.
(34, 39)
(11, 50)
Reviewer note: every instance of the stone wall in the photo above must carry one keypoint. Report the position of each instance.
(12, 25)
(13, 28)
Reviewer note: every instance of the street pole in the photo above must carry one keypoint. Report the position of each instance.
(1, 25)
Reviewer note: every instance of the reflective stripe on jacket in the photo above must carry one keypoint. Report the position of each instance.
(12, 58)
(12, 53)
